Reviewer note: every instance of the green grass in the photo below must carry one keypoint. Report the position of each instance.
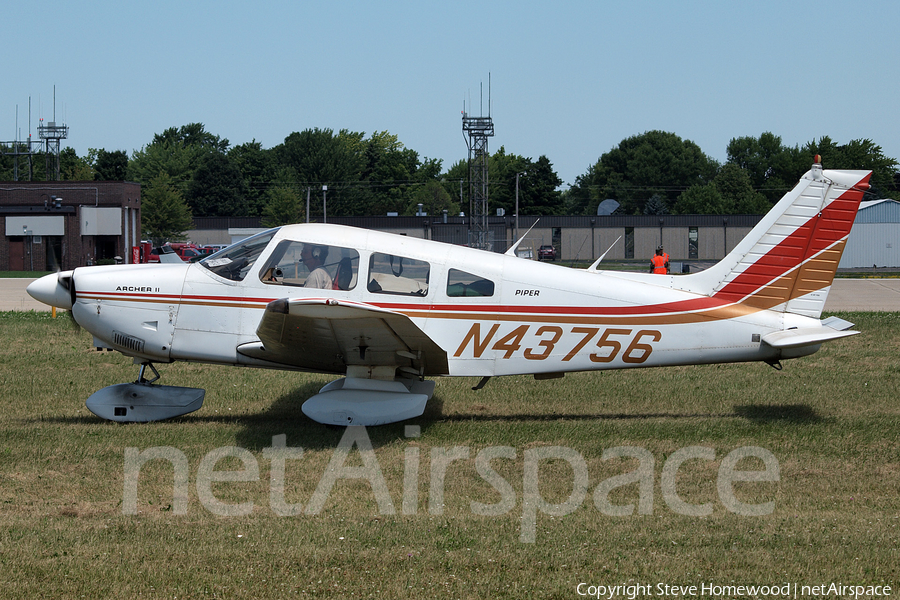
(22, 274)
(830, 420)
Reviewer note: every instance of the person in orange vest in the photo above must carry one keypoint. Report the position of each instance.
(659, 264)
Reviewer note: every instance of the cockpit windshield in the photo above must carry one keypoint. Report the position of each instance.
(234, 262)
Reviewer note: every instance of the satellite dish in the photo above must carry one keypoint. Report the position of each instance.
(607, 207)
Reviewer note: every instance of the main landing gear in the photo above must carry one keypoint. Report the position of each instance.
(141, 401)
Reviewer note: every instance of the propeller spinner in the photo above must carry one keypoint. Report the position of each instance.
(56, 289)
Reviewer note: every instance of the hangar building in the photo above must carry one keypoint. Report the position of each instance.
(76, 223)
(875, 238)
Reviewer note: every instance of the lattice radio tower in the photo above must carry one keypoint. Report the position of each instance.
(479, 129)
(51, 133)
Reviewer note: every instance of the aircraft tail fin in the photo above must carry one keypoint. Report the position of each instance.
(788, 261)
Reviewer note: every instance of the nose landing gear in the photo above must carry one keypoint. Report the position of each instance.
(142, 401)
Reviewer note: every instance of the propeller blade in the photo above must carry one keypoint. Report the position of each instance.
(54, 261)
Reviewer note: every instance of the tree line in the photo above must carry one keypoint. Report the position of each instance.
(659, 173)
(187, 171)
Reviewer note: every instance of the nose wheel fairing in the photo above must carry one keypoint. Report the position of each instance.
(142, 401)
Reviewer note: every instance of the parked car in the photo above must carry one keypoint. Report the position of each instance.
(185, 250)
(154, 255)
(547, 252)
(204, 251)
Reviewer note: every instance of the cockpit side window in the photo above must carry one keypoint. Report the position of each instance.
(461, 284)
(390, 274)
(306, 264)
(235, 261)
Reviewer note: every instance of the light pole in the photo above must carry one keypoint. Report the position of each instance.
(324, 204)
(29, 241)
(517, 203)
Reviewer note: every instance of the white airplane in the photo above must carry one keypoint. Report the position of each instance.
(386, 311)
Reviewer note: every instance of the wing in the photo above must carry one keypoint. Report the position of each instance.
(330, 335)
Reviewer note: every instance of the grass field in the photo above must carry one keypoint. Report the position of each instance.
(22, 274)
(450, 528)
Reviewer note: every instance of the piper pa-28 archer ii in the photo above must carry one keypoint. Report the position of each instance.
(387, 311)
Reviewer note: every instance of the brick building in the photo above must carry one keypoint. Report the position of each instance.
(73, 222)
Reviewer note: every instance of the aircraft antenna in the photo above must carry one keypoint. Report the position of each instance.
(478, 129)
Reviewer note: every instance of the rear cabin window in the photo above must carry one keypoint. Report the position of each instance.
(391, 274)
(461, 284)
(304, 264)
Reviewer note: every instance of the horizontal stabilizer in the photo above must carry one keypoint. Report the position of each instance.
(837, 323)
(807, 336)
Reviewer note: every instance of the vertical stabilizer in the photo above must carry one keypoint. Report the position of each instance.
(788, 261)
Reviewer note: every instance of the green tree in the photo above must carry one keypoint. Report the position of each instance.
(320, 157)
(653, 163)
(772, 167)
(165, 216)
(365, 176)
(387, 173)
(729, 193)
(538, 183)
(217, 188)
(75, 168)
(733, 183)
(9, 171)
(177, 162)
(656, 206)
(177, 152)
(192, 135)
(702, 200)
(258, 168)
(502, 169)
(539, 189)
(434, 200)
(858, 154)
(456, 181)
(111, 166)
(283, 207)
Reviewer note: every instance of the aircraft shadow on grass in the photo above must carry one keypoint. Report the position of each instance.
(284, 416)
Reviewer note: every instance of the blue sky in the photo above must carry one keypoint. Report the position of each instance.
(569, 80)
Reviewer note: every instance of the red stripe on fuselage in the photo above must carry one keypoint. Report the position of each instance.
(682, 306)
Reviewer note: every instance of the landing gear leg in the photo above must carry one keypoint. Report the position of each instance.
(144, 381)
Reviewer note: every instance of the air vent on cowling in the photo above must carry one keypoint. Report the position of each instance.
(128, 342)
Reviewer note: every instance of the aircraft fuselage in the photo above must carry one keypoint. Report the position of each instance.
(536, 318)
